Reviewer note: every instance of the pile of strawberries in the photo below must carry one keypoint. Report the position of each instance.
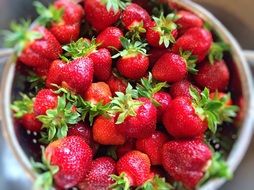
(129, 91)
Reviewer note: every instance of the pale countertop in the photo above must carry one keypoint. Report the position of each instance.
(237, 16)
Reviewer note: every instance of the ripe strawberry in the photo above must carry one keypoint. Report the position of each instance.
(170, 67)
(152, 146)
(102, 14)
(187, 20)
(98, 177)
(116, 84)
(45, 99)
(182, 88)
(105, 132)
(128, 146)
(63, 19)
(98, 92)
(23, 111)
(76, 75)
(155, 54)
(162, 31)
(67, 160)
(195, 40)
(36, 47)
(186, 160)
(213, 76)
(164, 100)
(133, 62)
(110, 37)
(133, 170)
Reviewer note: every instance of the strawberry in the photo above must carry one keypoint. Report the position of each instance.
(125, 148)
(162, 31)
(98, 92)
(133, 170)
(102, 14)
(23, 111)
(220, 95)
(36, 47)
(213, 76)
(133, 62)
(67, 161)
(116, 84)
(105, 132)
(186, 160)
(155, 54)
(110, 37)
(187, 20)
(182, 88)
(63, 19)
(195, 114)
(152, 146)
(99, 173)
(195, 40)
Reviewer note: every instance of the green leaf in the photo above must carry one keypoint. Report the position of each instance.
(191, 61)
(121, 182)
(157, 183)
(115, 5)
(23, 106)
(216, 51)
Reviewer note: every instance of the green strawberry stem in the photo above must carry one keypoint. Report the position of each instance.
(216, 51)
(23, 106)
(124, 105)
(49, 15)
(115, 5)
(156, 183)
(20, 35)
(165, 26)
(214, 111)
(121, 182)
(135, 30)
(149, 87)
(191, 61)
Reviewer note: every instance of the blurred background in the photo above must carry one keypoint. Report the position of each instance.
(236, 15)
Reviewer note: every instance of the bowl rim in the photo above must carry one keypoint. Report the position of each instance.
(241, 144)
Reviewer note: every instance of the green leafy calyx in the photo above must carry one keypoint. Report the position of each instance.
(23, 106)
(115, 5)
(216, 51)
(121, 182)
(156, 183)
(135, 30)
(191, 61)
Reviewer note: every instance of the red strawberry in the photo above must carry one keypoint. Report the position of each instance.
(68, 160)
(105, 132)
(182, 88)
(155, 54)
(110, 37)
(195, 40)
(116, 84)
(164, 100)
(162, 32)
(125, 148)
(133, 169)
(213, 76)
(102, 14)
(76, 75)
(98, 92)
(187, 20)
(152, 146)
(134, 61)
(170, 67)
(186, 160)
(63, 19)
(31, 123)
(45, 99)
(36, 47)
(98, 177)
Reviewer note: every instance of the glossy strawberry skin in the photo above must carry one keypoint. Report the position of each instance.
(181, 120)
(164, 99)
(116, 84)
(73, 157)
(98, 16)
(136, 165)
(45, 99)
(196, 40)
(155, 54)
(98, 92)
(134, 14)
(152, 146)
(141, 125)
(41, 52)
(133, 67)
(170, 67)
(188, 20)
(30, 122)
(68, 29)
(213, 76)
(186, 160)
(54, 75)
(110, 37)
(102, 63)
(105, 132)
(99, 173)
